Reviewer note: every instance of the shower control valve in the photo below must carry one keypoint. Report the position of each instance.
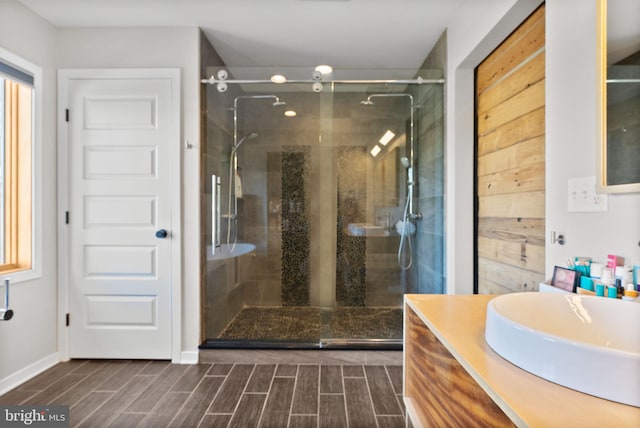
(416, 216)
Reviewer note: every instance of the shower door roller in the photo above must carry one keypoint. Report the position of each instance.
(162, 233)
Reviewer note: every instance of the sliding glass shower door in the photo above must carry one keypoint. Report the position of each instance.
(316, 184)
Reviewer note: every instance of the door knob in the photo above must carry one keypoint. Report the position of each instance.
(161, 234)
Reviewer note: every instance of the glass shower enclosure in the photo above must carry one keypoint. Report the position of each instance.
(321, 206)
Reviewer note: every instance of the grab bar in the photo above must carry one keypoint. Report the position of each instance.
(5, 313)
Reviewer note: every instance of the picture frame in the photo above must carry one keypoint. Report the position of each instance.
(565, 279)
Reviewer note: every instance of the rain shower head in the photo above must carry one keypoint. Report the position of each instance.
(366, 102)
(279, 102)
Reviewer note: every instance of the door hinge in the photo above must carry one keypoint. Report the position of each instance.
(66, 115)
(66, 319)
(66, 217)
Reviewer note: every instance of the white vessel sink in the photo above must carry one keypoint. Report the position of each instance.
(587, 343)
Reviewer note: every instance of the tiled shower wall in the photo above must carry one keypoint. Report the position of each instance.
(430, 136)
(351, 269)
(295, 227)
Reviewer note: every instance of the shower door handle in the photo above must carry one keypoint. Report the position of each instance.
(215, 213)
(162, 233)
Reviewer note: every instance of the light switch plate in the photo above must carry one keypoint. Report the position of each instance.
(582, 196)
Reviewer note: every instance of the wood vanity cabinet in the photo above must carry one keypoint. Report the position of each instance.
(452, 377)
(442, 392)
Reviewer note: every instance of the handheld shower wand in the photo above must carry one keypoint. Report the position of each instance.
(406, 227)
(243, 139)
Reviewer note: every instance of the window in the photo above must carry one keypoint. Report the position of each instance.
(16, 169)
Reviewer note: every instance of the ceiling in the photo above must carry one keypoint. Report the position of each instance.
(347, 34)
(623, 31)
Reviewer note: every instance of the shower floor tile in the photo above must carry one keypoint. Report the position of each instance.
(311, 324)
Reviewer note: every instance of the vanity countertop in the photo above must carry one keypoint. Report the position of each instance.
(458, 321)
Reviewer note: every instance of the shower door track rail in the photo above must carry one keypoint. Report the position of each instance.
(360, 344)
(417, 81)
(329, 344)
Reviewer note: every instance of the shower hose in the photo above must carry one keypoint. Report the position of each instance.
(405, 239)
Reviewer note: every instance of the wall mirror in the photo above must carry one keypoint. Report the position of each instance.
(618, 95)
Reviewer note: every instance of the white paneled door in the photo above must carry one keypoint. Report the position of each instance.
(119, 134)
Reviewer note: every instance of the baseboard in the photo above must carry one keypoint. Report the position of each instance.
(32, 370)
(188, 357)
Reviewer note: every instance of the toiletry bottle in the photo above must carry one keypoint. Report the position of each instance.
(599, 286)
(608, 283)
(630, 292)
(619, 288)
(607, 277)
(596, 270)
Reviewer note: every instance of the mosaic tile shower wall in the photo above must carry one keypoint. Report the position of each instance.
(295, 228)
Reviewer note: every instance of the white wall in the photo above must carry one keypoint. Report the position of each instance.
(571, 142)
(148, 48)
(28, 343)
(475, 30)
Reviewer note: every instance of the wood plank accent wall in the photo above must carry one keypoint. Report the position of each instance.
(510, 166)
(442, 392)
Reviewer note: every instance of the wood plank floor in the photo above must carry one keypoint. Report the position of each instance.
(117, 393)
